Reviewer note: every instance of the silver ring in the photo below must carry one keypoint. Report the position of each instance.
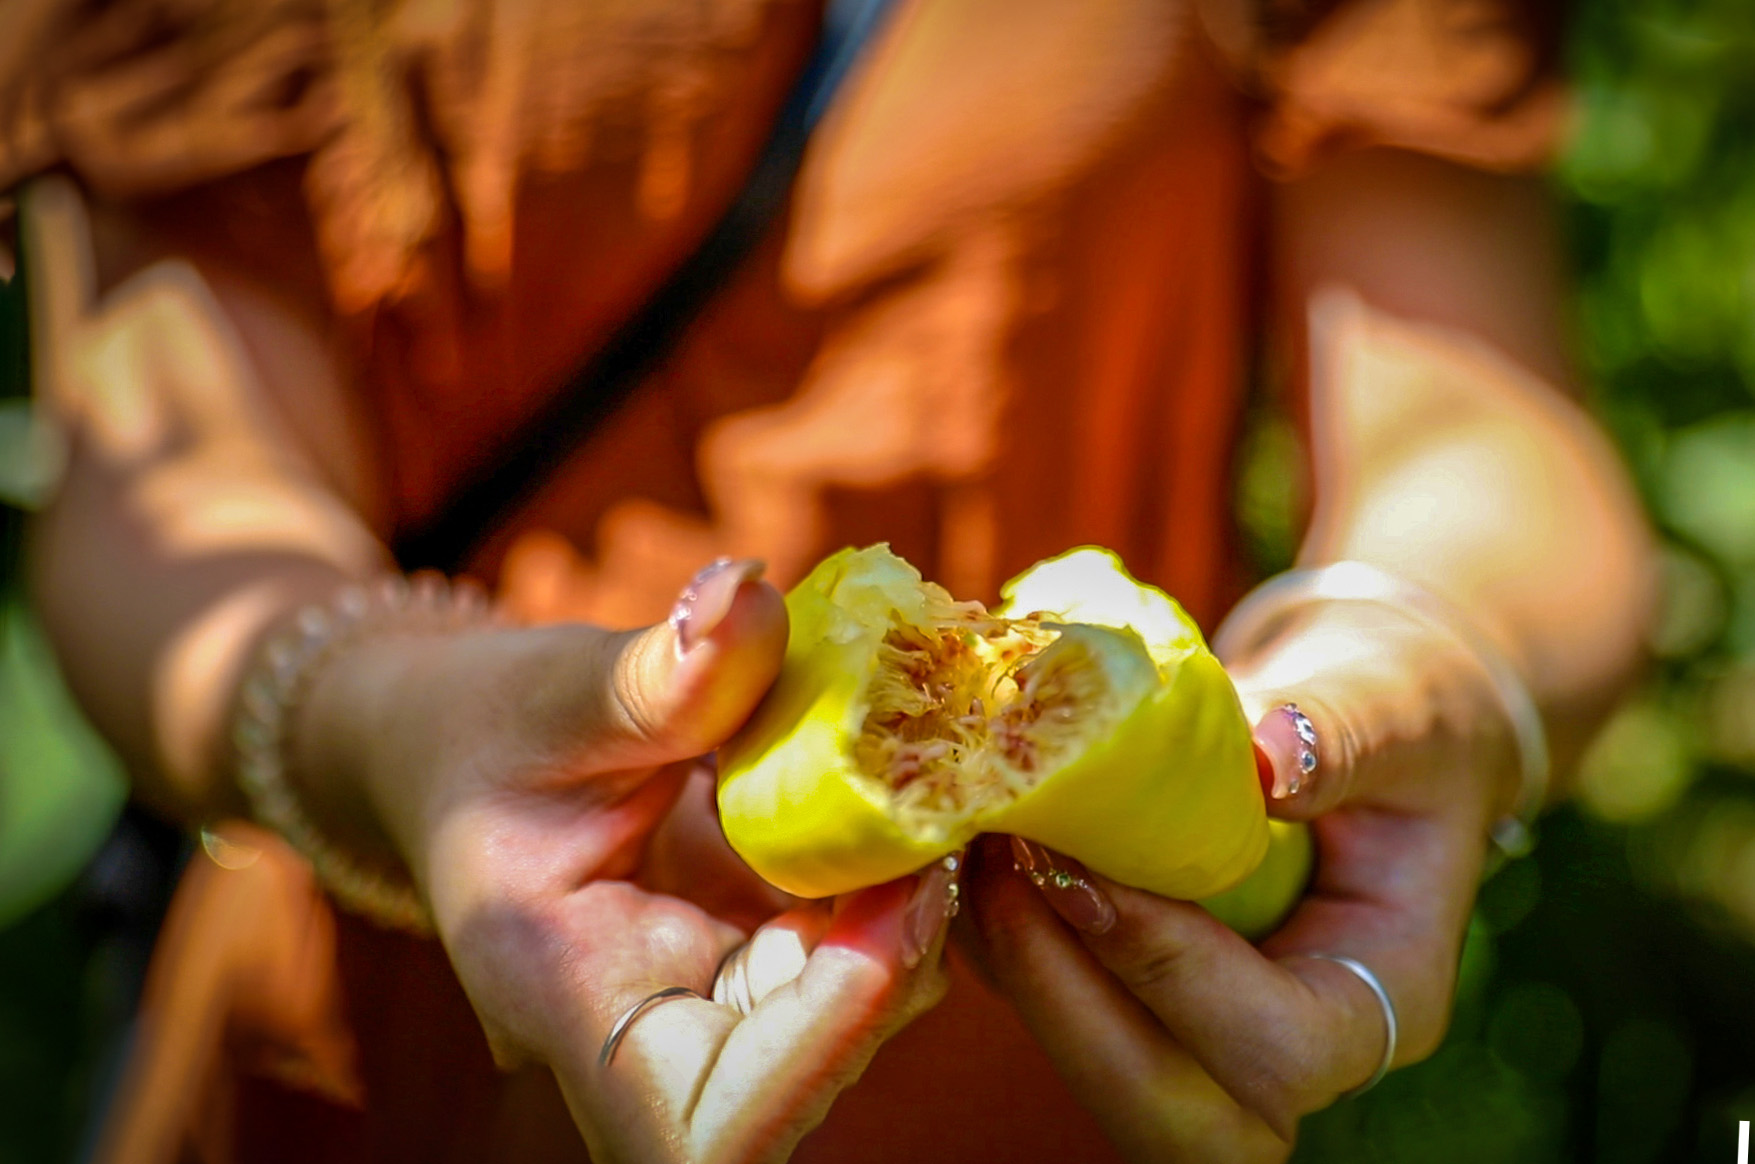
(620, 1029)
(731, 982)
(1369, 979)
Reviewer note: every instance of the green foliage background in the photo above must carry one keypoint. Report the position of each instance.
(1607, 1009)
(1607, 1004)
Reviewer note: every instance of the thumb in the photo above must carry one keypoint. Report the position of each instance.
(1306, 749)
(680, 688)
(1343, 714)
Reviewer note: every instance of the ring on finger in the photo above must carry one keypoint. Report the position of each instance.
(731, 983)
(1364, 974)
(619, 1030)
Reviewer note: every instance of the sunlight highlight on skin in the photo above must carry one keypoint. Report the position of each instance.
(1426, 439)
(199, 506)
(201, 663)
(156, 369)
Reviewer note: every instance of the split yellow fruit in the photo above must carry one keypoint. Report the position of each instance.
(1085, 713)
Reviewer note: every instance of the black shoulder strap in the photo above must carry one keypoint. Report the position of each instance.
(511, 475)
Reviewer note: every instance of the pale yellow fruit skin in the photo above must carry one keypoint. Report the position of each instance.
(1169, 801)
(1182, 764)
(791, 797)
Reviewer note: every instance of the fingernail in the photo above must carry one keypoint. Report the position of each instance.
(933, 904)
(1289, 742)
(1064, 886)
(707, 599)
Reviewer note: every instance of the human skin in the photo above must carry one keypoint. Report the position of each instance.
(196, 399)
(517, 774)
(1425, 304)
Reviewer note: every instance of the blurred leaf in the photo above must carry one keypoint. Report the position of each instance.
(1509, 896)
(1638, 766)
(1708, 489)
(1694, 607)
(1707, 853)
(1537, 1028)
(1269, 490)
(60, 786)
(1727, 714)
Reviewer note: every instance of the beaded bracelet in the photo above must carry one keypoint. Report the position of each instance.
(1264, 608)
(285, 669)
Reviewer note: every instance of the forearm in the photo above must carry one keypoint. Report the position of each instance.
(1493, 491)
(216, 484)
(1426, 305)
(154, 642)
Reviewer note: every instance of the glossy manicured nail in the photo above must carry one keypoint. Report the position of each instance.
(1287, 738)
(934, 903)
(707, 599)
(1064, 886)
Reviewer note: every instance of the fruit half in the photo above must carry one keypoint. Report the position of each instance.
(1084, 713)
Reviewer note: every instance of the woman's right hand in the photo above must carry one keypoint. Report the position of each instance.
(520, 775)
(215, 478)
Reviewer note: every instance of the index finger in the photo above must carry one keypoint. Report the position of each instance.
(1285, 1029)
(57, 246)
(1282, 1038)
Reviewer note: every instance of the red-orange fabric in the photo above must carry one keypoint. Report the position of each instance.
(1009, 311)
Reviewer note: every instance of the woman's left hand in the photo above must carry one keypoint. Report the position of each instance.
(1186, 1041)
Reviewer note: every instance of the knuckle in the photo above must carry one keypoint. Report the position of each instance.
(670, 938)
(1001, 925)
(1286, 1072)
(1148, 968)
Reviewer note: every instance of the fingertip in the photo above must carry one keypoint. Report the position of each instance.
(870, 922)
(748, 631)
(724, 674)
(686, 701)
(1301, 807)
(756, 621)
(1066, 885)
(856, 967)
(710, 599)
(1301, 757)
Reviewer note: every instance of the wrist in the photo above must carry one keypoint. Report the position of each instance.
(322, 757)
(352, 765)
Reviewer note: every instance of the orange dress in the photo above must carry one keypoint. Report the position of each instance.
(1007, 310)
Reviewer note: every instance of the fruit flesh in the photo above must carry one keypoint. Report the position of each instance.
(967, 711)
(904, 723)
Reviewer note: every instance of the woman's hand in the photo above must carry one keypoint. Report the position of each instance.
(1186, 1041)
(521, 776)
